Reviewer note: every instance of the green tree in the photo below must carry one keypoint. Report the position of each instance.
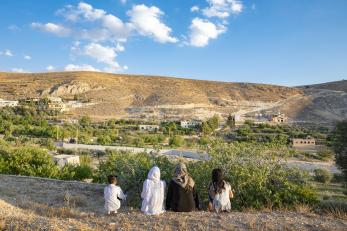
(231, 121)
(176, 141)
(339, 142)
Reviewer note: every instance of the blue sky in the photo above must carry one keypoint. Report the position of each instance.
(285, 42)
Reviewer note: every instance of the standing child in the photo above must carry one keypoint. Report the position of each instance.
(113, 194)
(153, 193)
(219, 192)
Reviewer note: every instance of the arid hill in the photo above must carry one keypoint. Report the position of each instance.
(149, 97)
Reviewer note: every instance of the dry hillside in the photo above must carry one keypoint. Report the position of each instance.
(149, 97)
(64, 205)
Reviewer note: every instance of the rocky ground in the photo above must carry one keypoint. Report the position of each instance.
(42, 204)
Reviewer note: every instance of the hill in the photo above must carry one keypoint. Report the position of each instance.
(65, 205)
(334, 86)
(153, 97)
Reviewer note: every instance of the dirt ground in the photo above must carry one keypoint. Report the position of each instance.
(28, 203)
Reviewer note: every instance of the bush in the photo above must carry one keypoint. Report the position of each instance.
(259, 180)
(176, 141)
(323, 176)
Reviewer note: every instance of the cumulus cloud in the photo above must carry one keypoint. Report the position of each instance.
(222, 8)
(103, 54)
(50, 68)
(202, 31)
(19, 70)
(56, 29)
(147, 22)
(27, 57)
(83, 67)
(6, 52)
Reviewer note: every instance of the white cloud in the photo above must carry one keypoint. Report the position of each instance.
(50, 68)
(104, 54)
(19, 70)
(222, 8)
(13, 27)
(83, 67)
(27, 57)
(123, 1)
(89, 12)
(147, 22)
(202, 31)
(6, 52)
(56, 29)
(194, 9)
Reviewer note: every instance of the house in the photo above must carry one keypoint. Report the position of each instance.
(279, 118)
(8, 103)
(52, 104)
(190, 123)
(306, 143)
(62, 160)
(148, 128)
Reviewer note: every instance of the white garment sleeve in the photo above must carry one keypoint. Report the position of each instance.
(121, 194)
(145, 191)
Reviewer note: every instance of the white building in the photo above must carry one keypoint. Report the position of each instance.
(8, 103)
(148, 128)
(62, 160)
(190, 123)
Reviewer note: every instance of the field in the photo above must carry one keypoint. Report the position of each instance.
(79, 206)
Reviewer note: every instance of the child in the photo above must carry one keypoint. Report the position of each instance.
(219, 192)
(113, 194)
(153, 193)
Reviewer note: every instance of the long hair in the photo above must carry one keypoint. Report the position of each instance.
(218, 180)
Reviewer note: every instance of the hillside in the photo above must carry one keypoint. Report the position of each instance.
(334, 86)
(149, 97)
(67, 205)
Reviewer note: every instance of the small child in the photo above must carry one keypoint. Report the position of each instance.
(113, 194)
(219, 192)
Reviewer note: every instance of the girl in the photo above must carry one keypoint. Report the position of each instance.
(153, 193)
(219, 192)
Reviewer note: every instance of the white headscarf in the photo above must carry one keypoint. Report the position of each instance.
(154, 174)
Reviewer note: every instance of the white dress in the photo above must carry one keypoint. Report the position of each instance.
(112, 194)
(221, 201)
(153, 193)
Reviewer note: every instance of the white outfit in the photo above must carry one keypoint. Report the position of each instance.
(221, 201)
(112, 195)
(153, 193)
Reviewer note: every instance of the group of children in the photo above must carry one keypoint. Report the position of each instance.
(181, 193)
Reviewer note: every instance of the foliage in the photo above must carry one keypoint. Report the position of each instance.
(339, 142)
(176, 141)
(259, 180)
(323, 175)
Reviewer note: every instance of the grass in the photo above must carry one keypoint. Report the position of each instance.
(331, 191)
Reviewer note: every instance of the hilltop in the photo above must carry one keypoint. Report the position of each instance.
(65, 205)
(154, 97)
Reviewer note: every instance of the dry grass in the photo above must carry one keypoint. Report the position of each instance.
(41, 204)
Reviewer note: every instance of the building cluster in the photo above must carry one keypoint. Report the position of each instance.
(8, 103)
(258, 118)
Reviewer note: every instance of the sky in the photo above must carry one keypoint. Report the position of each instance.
(283, 42)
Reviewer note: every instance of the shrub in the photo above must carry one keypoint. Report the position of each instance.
(176, 141)
(259, 180)
(323, 176)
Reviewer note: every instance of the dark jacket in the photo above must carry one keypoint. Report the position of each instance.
(179, 199)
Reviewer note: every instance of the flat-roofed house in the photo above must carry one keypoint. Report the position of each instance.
(62, 160)
(8, 103)
(279, 118)
(148, 128)
(189, 123)
(306, 143)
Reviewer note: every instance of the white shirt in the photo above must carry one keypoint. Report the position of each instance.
(111, 194)
(221, 201)
(153, 193)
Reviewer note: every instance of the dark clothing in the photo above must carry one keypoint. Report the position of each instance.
(179, 199)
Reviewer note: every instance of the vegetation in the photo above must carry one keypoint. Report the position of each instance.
(257, 178)
(323, 176)
(339, 142)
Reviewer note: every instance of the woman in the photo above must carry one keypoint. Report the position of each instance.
(219, 192)
(153, 193)
(181, 195)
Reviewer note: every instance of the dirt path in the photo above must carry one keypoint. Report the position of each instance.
(36, 203)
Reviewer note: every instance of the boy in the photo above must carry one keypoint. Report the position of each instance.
(113, 194)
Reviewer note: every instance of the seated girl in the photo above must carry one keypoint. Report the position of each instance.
(153, 193)
(219, 192)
